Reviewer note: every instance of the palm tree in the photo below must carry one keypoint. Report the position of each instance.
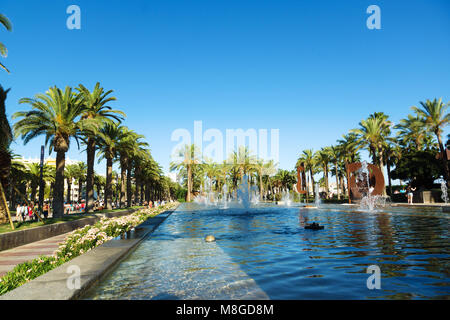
(80, 176)
(308, 159)
(3, 51)
(96, 109)
(56, 115)
(323, 158)
(188, 160)
(99, 182)
(373, 133)
(5, 153)
(107, 140)
(435, 118)
(33, 172)
(335, 156)
(412, 132)
(70, 173)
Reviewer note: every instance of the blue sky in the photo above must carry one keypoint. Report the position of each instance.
(309, 68)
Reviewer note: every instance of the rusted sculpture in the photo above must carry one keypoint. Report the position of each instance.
(301, 179)
(376, 179)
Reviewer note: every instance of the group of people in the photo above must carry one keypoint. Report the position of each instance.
(29, 211)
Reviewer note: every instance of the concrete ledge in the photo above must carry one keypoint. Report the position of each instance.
(19, 238)
(94, 265)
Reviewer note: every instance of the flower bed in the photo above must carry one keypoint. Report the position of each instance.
(76, 243)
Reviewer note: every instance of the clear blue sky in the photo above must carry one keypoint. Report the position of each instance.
(309, 68)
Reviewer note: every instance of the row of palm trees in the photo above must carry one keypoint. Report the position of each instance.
(385, 143)
(84, 116)
(195, 173)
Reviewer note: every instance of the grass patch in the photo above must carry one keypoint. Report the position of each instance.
(4, 228)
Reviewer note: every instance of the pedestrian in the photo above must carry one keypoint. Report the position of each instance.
(45, 210)
(19, 212)
(410, 191)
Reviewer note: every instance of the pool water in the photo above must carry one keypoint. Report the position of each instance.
(265, 253)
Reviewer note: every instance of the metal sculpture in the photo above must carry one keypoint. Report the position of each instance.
(374, 174)
(301, 179)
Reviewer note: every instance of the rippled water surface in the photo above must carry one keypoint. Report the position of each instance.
(265, 253)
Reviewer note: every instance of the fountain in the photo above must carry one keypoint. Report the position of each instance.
(444, 190)
(285, 198)
(316, 190)
(243, 194)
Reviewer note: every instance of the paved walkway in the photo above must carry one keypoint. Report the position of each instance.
(12, 257)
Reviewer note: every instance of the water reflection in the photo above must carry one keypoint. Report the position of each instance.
(267, 253)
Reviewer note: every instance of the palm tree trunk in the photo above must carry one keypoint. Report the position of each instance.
(381, 169)
(90, 150)
(58, 200)
(189, 177)
(69, 187)
(108, 187)
(138, 182)
(123, 174)
(4, 210)
(80, 186)
(129, 191)
(260, 187)
(337, 181)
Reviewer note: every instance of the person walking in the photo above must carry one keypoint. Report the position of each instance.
(45, 210)
(410, 191)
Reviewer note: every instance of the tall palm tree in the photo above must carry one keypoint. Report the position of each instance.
(107, 140)
(5, 153)
(3, 51)
(189, 158)
(373, 133)
(96, 109)
(33, 172)
(81, 178)
(412, 132)
(308, 159)
(435, 118)
(335, 156)
(70, 173)
(56, 115)
(323, 158)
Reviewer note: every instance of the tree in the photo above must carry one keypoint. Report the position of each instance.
(3, 51)
(33, 172)
(107, 140)
(5, 154)
(435, 118)
(80, 177)
(335, 156)
(422, 167)
(308, 160)
(188, 159)
(70, 173)
(323, 158)
(56, 115)
(373, 133)
(95, 109)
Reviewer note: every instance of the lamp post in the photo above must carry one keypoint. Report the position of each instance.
(41, 182)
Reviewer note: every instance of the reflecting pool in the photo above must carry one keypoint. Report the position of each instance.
(264, 252)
